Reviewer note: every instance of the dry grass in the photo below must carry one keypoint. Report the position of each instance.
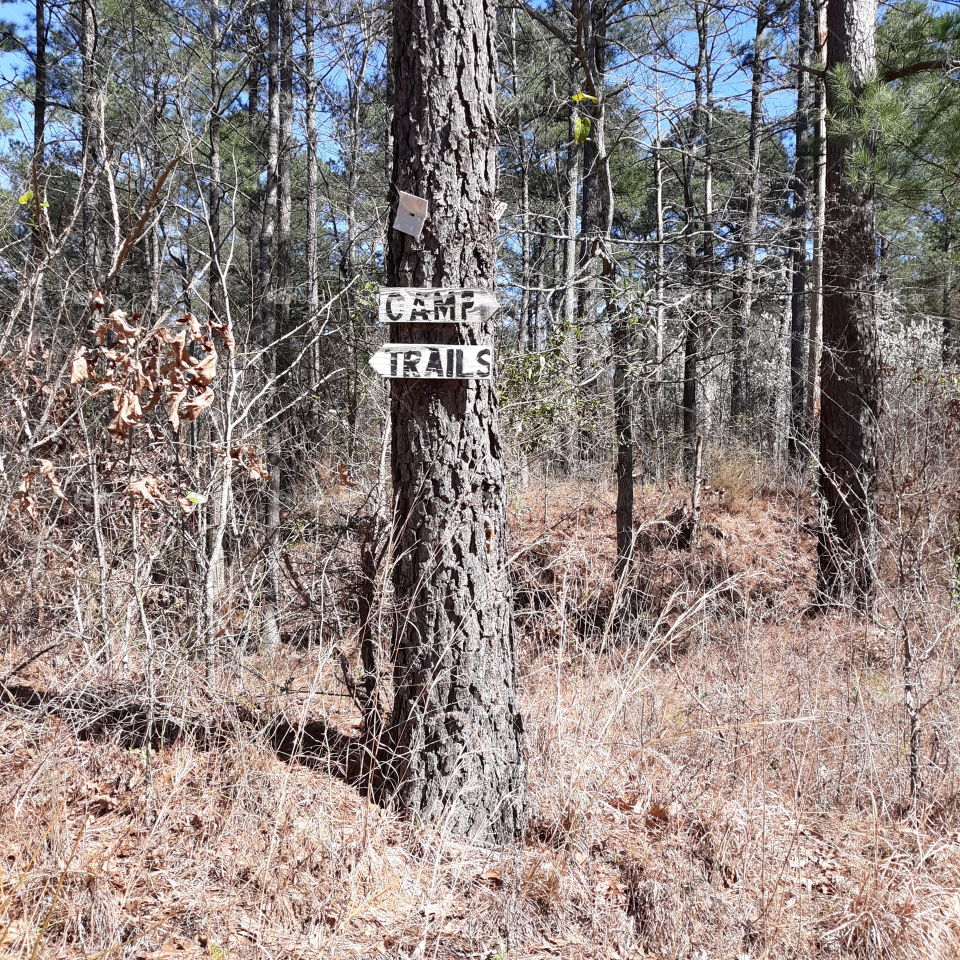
(713, 774)
(736, 474)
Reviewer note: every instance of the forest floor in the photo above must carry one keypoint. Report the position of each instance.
(715, 772)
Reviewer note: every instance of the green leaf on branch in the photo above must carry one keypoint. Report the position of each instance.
(25, 198)
(580, 96)
(581, 129)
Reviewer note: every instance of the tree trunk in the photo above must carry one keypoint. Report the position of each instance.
(153, 240)
(621, 341)
(269, 326)
(90, 141)
(744, 314)
(541, 248)
(659, 290)
(351, 157)
(798, 439)
(597, 264)
(313, 160)
(698, 256)
(254, 220)
(39, 130)
(286, 348)
(692, 329)
(820, 180)
(217, 502)
(849, 370)
(587, 286)
(313, 204)
(526, 323)
(454, 751)
(570, 333)
(215, 287)
(949, 345)
(708, 324)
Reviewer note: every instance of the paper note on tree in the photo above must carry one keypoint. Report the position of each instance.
(411, 214)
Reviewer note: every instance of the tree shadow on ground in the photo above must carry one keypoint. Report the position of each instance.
(110, 714)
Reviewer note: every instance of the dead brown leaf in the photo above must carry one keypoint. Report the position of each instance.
(175, 397)
(226, 331)
(128, 412)
(245, 458)
(146, 488)
(79, 369)
(196, 405)
(46, 469)
(203, 371)
(121, 327)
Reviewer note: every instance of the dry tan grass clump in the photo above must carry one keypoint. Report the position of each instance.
(713, 774)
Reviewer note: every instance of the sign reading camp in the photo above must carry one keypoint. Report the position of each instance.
(430, 361)
(435, 305)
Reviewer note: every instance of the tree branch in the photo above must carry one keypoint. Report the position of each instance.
(947, 65)
(543, 20)
(815, 72)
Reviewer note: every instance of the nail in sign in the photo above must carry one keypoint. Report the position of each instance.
(435, 305)
(433, 361)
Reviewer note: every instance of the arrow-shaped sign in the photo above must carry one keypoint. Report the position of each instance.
(433, 361)
(435, 305)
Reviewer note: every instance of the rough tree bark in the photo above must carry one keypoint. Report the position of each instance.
(214, 185)
(744, 314)
(286, 349)
(819, 214)
(849, 368)
(622, 344)
(90, 140)
(660, 282)
(699, 257)
(526, 319)
(355, 69)
(453, 753)
(590, 266)
(948, 348)
(253, 226)
(590, 45)
(39, 129)
(798, 439)
(268, 319)
(591, 19)
(313, 176)
(215, 572)
(570, 278)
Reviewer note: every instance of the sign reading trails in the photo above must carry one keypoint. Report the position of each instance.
(424, 361)
(435, 305)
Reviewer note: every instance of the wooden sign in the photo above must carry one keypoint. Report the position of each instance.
(433, 361)
(435, 305)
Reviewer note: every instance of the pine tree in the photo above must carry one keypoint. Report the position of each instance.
(454, 751)
(850, 376)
